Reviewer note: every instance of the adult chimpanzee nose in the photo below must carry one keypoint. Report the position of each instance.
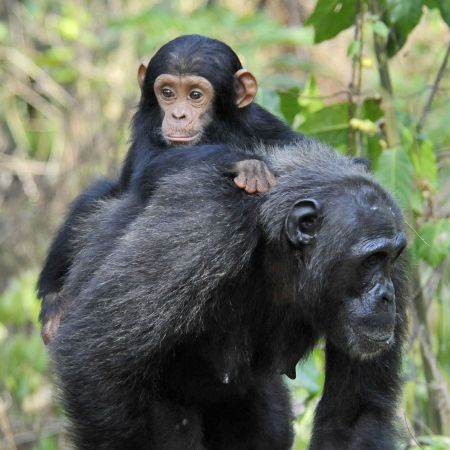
(386, 296)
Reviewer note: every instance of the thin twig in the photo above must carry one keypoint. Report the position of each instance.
(430, 287)
(22, 166)
(392, 129)
(5, 426)
(437, 80)
(439, 384)
(354, 97)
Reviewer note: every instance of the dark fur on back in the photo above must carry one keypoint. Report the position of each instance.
(182, 323)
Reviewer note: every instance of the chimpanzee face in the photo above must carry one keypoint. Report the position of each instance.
(185, 103)
(358, 298)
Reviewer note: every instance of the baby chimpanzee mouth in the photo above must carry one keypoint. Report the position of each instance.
(180, 138)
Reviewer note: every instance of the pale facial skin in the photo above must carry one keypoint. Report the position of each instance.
(185, 102)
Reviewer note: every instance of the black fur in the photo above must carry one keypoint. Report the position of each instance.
(184, 320)
(245, 127)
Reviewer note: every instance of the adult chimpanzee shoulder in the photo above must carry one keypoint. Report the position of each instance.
(180, 331)
(193, 91)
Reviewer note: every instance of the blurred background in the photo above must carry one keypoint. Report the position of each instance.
(369, 77)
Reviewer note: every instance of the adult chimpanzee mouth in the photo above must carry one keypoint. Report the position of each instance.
(378, 339)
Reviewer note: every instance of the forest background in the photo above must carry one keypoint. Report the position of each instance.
(369, 77)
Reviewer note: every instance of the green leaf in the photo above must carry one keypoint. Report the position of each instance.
(371, 109)
(18, 304)
(431, 4)
(394, 171)
(433, 242)
(46, 443)
(403, 15)
(330, 17)
(425, 166)
(289, 106)
(329, 124)
(269, 100)
(310, 376)
(3, 32)
(354, 49)
(310, 99)
(444, 8)
(69, 28)
(380, 28)
(24, 362)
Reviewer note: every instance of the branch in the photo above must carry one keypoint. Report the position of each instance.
(354, 136)
(439, 385)
(392, 133)
(439, 75)
(5, 426)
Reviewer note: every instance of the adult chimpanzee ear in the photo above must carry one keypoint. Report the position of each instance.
(141, 75)
(363, 162)
(302, 222)
(246, 87)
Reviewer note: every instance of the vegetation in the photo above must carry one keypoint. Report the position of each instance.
(369, 77)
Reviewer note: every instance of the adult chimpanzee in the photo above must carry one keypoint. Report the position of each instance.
(179, 333)
(193, 91)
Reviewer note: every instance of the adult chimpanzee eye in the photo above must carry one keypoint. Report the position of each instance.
(195, 95)
(374, 259)
(166, 92)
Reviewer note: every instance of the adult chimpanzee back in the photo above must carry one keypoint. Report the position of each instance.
(182, 326)
(194, 90)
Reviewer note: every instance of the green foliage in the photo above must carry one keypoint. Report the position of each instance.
(425, 165)
(18, 304)
(394, 170)
(307, 112)
(433, 243)
(212, 22)
(402, 16)
(443, 6)
(48, 443)
(432, 443)
(330, 17)
(77, 50)
(329, 124)
(307, 389)
(23, 355)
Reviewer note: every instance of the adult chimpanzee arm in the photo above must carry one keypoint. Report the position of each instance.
(61, 253)
(358, 406)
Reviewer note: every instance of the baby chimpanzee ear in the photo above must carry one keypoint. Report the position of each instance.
(246, 87)
(141, 75)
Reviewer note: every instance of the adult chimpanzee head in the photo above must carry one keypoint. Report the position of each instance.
(194, 79)
(347, 237)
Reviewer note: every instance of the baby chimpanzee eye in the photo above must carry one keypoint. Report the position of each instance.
(195, 95)
(166, 92)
